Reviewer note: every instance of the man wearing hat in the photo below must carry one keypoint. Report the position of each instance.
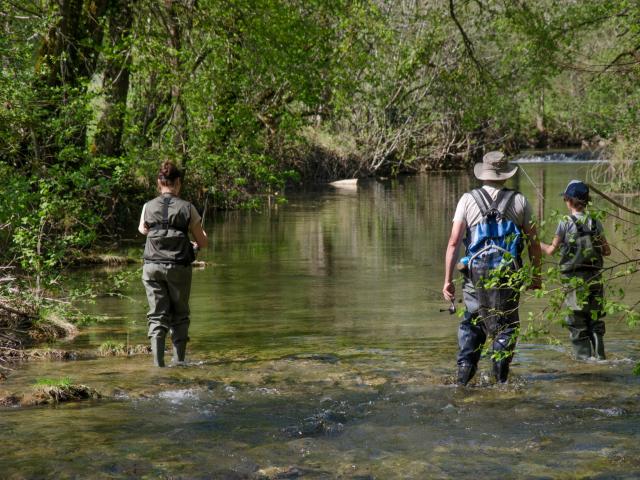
(508, 207)
(582, 245)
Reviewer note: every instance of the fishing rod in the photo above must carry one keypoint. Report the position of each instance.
(196, 248)
(591, 187)
(204, 210)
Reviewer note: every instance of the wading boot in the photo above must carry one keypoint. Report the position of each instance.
(179, 352)
(179, 338)
(501, 370)
(157, 350)
(582, 348)
(466, 372)
(598, 346)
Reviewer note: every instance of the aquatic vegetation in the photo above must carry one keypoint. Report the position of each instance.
(112, 348)
(51, 382)
(50, 391)
(50, 354)
(53, 391)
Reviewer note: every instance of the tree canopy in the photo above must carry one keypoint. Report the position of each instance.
(250, 96)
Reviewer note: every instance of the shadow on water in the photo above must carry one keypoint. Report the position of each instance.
(319, 351)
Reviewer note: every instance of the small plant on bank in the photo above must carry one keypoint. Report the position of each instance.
(53, 391)
(112, 348)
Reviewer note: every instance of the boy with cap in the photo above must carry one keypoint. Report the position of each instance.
(582, 244)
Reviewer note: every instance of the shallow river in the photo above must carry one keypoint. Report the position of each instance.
(318, 347)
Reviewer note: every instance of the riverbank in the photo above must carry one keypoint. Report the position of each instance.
(22, 326)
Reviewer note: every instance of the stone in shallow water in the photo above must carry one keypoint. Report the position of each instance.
(273, 473)
(327, 422)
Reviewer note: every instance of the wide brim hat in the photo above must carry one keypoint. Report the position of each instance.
(495, 167)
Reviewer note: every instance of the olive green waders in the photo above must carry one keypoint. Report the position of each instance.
(586, 327)
(168, 287)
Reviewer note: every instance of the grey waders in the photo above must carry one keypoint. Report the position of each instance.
(157, 350)
(582, 260)
(179, 338)
(593, 346)
(166, 274)
(585, 333)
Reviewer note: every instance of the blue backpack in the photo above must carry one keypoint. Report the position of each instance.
(496, 241)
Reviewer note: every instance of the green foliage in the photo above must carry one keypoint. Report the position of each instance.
(240, 93)
(52, 218)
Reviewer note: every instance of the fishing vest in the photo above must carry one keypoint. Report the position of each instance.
(496, 240)
(168, 218)
(580, 251)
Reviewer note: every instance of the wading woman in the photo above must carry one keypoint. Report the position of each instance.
(167, 221)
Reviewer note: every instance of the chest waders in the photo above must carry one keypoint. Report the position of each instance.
(167, 274)
(581, 257)
(493, 249)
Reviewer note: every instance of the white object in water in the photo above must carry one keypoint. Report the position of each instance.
(348, 183)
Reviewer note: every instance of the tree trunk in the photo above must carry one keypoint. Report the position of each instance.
(178, 120)
(115, 82)
(68, 55)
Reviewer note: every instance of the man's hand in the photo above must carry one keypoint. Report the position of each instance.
(457, 233)
(449, 291)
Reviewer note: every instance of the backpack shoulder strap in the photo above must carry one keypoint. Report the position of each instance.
(480, 196)
(165, 212)
(582, 227)
(503, 200)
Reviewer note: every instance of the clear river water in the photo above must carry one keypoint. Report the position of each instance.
(319, 351)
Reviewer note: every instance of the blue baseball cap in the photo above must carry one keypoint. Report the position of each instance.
(578, 190)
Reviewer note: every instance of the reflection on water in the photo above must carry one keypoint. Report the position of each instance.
(318, 347)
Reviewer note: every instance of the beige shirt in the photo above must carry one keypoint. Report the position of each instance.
(467, 211)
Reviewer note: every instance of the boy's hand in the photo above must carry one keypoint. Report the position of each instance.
(536, 284)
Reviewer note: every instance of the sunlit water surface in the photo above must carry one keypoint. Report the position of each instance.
(318, 346)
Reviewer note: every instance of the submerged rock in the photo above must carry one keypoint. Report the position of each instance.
(327, 422)
(318, 357)
(52, 354)
(274, 473)
(9, 400)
